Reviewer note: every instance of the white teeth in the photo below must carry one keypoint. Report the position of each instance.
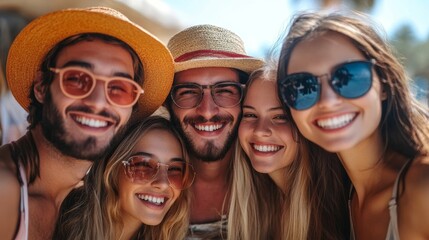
(208, 128)
(152, 199)
(266, 148)
(336, 122)
(91, 122)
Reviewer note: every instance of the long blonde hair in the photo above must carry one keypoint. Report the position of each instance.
(315, 193)
(94, 211)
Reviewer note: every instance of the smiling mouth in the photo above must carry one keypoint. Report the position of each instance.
(266, 148)
(208, 127)
(90, 122)
(151, 199)
(336, 122)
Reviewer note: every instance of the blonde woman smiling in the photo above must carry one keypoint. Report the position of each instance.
(137, 193)
(279, 183)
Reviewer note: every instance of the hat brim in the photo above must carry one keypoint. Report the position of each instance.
(41, 35)
(247, 65)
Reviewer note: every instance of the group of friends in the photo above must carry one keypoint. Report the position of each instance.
(323, 142)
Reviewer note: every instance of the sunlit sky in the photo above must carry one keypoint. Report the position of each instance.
(260, 22)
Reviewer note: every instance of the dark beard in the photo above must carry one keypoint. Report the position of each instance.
(55, 132)
(210, 153)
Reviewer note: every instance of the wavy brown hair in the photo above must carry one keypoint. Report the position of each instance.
(404, 124)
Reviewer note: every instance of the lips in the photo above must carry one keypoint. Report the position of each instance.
(336, 122)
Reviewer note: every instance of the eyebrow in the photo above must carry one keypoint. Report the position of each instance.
(89, 66)
(151, 155)
(271, 109)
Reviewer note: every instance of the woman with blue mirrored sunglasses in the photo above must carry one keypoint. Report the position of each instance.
(349, 80)
(363, 111)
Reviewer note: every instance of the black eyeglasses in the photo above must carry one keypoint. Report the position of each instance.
(350, 80)
(224, 94)
(144, 168)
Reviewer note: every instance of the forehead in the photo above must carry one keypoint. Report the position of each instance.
(160, 143)
(262, 92)
(206, 76)
(323, 51)
(99, 54)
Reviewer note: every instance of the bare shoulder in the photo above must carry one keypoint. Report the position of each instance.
(9, 195)
(418, 174)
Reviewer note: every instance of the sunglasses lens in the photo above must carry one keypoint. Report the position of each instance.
(352, 80)
(122, 92)
(300, 91)
(77, 83)
(180, 174)
(141, 168)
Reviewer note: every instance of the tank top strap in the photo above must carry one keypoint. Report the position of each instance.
(349, 202)
(393, 231)
(15, 158)
(22, 230)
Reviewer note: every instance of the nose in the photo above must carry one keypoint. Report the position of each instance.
(97, 100)
(161, 179)
(328, 97)
(262, 128)
(207, 107)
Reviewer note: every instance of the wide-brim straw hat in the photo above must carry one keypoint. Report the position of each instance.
(33, 43)
(210, 46)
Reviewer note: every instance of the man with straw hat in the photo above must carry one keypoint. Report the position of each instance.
(211, 67)
(83, 75)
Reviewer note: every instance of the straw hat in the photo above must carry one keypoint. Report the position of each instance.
(33, 43)
(210, 46)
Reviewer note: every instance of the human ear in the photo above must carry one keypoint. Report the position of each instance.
(38, 88)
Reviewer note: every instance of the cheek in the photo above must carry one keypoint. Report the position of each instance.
(124, 113)
(124, 186)
(243, 130)
(176, 194)
(179, 113)
(236, 113)
(300, 118)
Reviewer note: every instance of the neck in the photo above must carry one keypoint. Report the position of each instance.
(59, 174)
(367, 166)
(279, 178)
(130, 229)
(210, 190)
(212, 171)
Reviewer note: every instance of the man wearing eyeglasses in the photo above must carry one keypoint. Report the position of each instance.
(211, 68)
(83, 75)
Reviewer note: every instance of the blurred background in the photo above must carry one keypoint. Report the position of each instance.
(260, 23)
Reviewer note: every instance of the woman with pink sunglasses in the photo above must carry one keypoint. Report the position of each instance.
(348, 93)
(137, 193)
